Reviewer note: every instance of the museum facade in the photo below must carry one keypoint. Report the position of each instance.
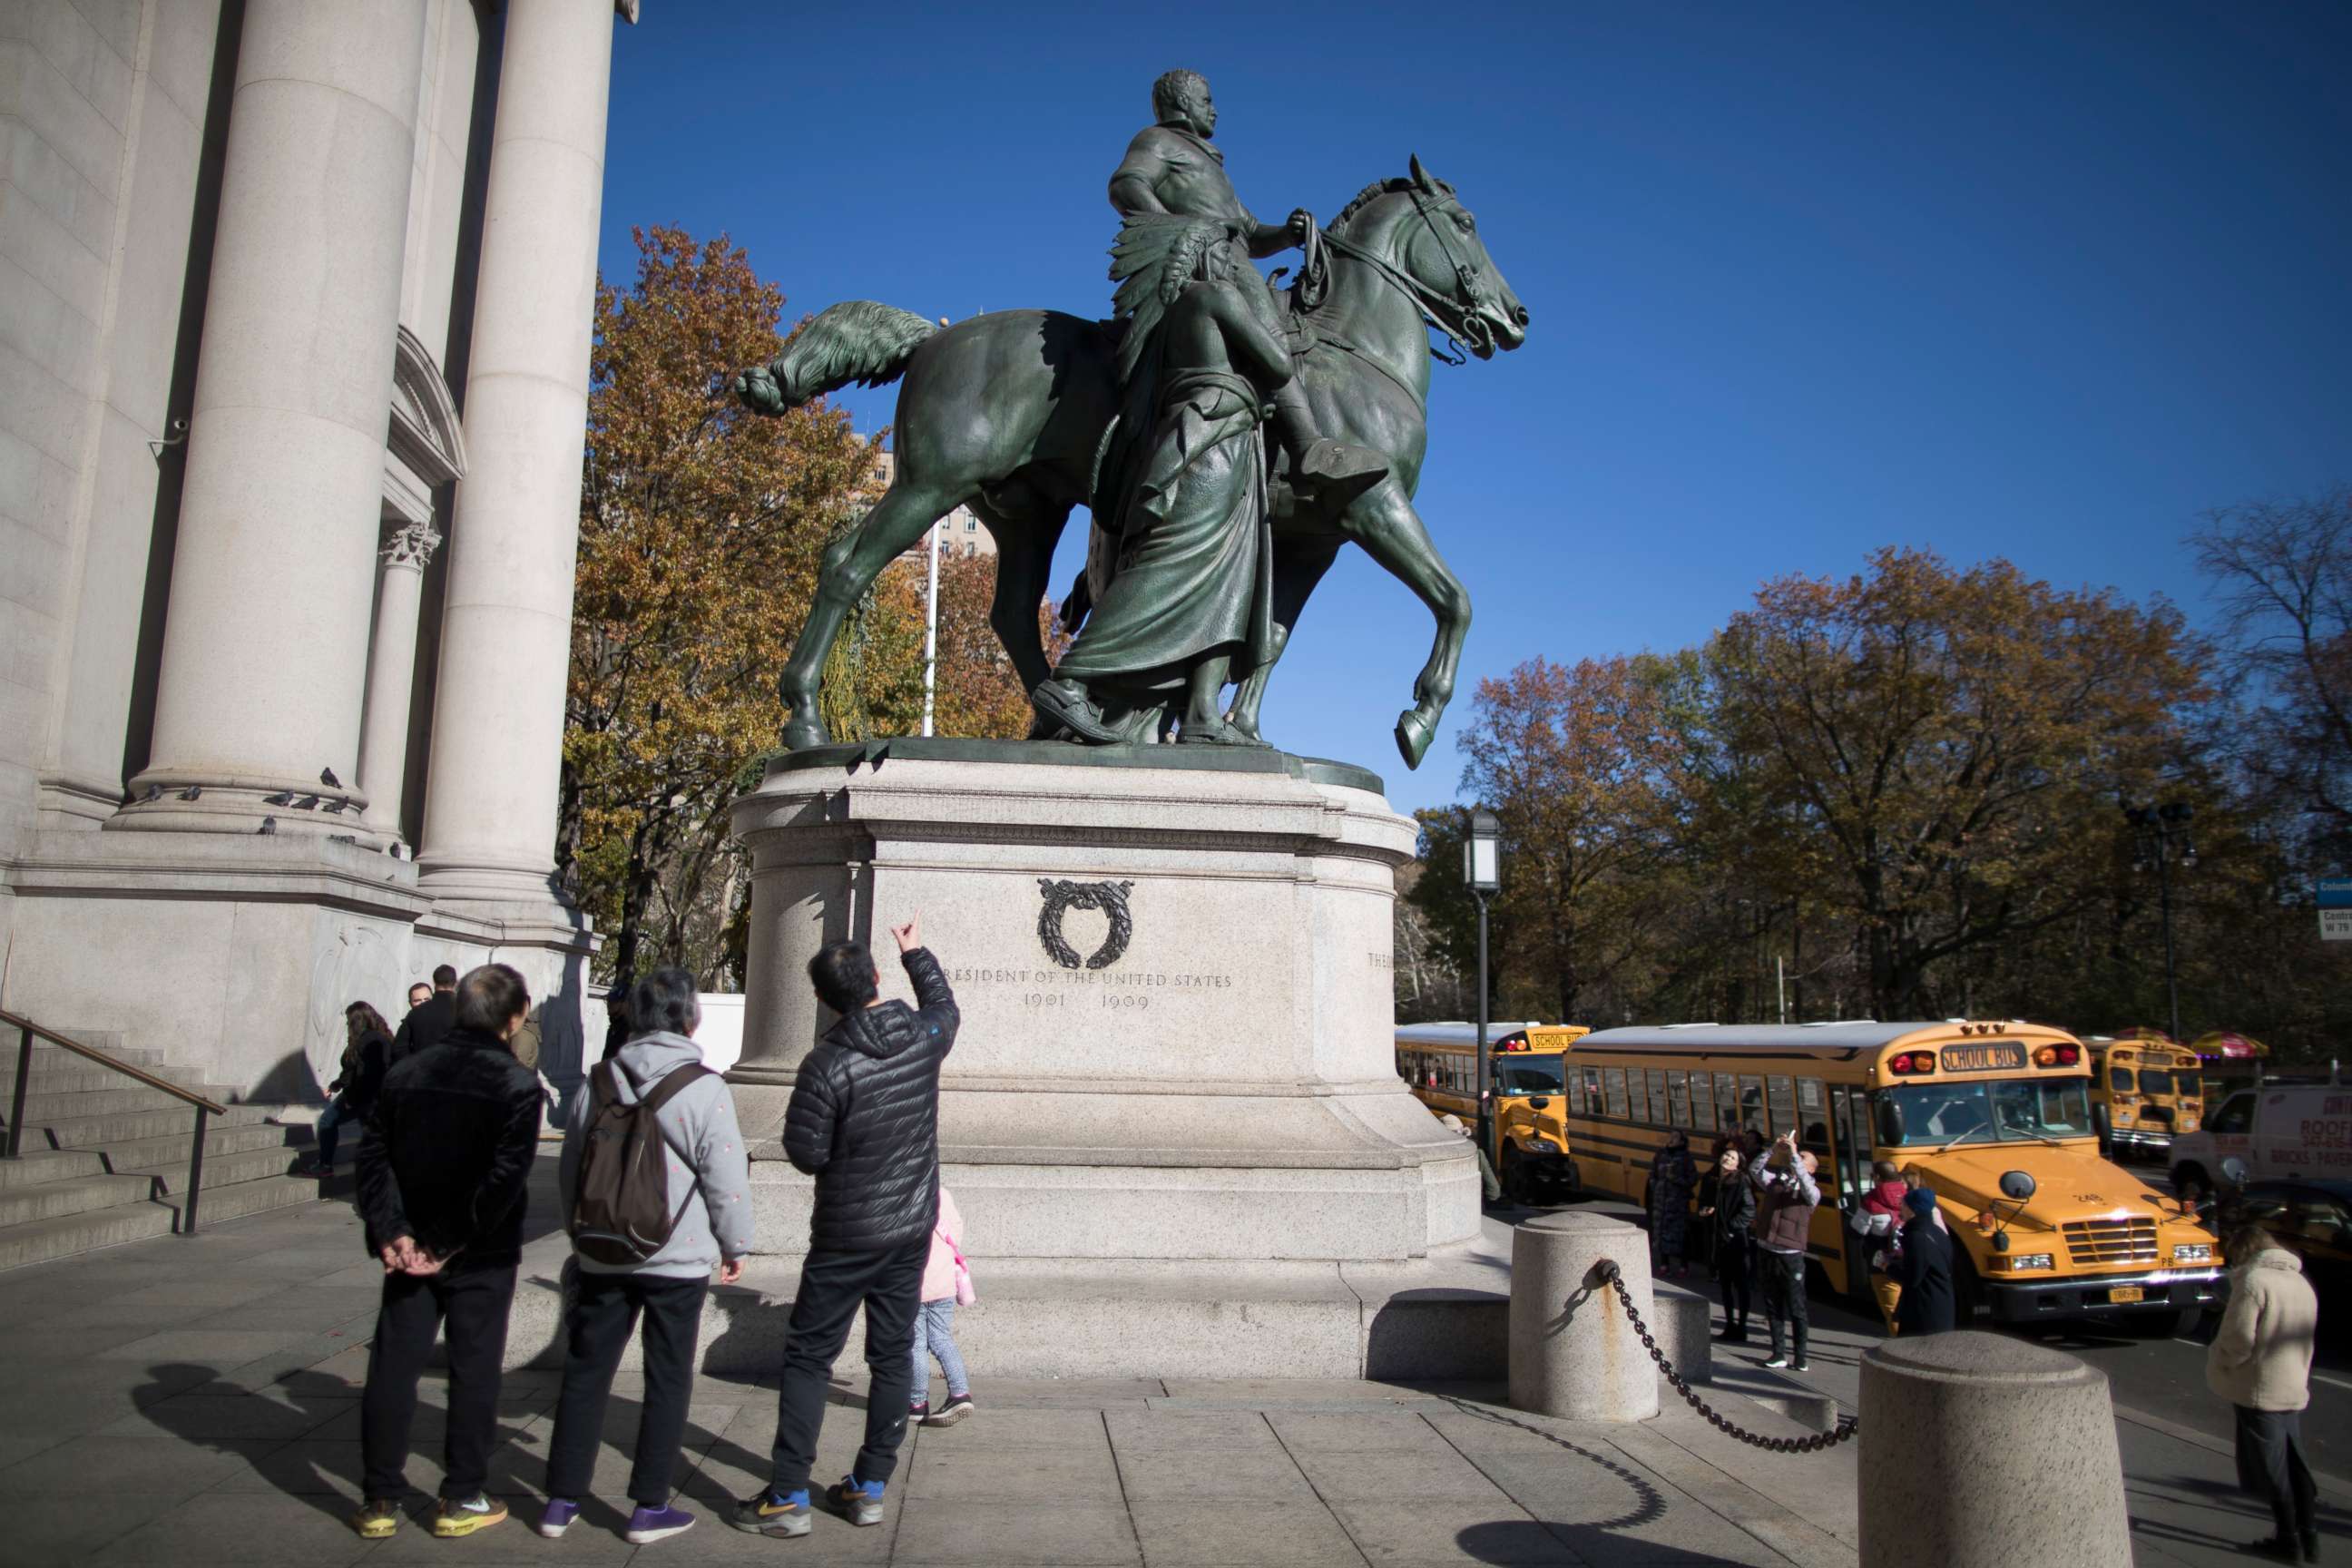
(295, 310)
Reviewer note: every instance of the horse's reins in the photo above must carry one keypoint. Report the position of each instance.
(1433, 307)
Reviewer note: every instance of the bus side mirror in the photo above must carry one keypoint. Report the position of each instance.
(1541, 1102)
(2233, 1171)
(1890, 1122)
(2017, 1185)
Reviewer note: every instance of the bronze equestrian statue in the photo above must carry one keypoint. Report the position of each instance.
(1008, 413)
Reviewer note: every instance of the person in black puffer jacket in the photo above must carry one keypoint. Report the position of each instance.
(864, 1121)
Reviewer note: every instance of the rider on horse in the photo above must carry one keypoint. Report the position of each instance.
(1172, 168)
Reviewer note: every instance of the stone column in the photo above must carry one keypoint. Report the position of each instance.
(392, 661)
(506, 637)
(265, 643)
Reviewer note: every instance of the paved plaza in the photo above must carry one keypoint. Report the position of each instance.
(196, 1402)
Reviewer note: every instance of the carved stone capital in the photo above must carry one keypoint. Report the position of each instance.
(411, 545)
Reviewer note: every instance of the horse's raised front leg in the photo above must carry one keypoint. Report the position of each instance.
(1299, 566)
(851, 564)
(1386, 525)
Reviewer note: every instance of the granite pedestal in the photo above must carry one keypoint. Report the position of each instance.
(1173, 968)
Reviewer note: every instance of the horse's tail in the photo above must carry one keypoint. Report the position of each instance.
(856, 340)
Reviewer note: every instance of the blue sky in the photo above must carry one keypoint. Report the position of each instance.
(2038, 281)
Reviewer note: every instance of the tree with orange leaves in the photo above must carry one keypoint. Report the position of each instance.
(701, 530)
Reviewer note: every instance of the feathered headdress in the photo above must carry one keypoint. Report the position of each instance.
(1154, 257)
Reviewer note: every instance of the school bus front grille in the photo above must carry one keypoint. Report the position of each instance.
(2093, 1241)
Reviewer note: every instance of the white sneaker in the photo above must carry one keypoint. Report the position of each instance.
(1778, 1362)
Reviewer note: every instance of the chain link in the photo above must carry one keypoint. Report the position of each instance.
(1847, 1426)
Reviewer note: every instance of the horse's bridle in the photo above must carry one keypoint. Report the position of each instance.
(1456, 319)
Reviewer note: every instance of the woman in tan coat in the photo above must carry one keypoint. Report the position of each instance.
(2260, 1361)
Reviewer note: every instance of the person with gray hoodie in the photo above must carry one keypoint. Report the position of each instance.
(709, 1181)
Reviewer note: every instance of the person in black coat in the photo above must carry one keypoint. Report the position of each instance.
(1923, 1269)
(443, 1166)
(1730, 1213)
(864, 1121)
(429, 1019)
(351, 1097)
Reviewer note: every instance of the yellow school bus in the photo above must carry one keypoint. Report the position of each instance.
(1439, 1062)
(2145, 1091)
(1996, 1116)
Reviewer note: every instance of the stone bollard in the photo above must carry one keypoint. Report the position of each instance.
(1573, 1352)
(1980, 1451)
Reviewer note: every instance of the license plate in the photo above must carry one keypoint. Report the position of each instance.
(2123, 1294)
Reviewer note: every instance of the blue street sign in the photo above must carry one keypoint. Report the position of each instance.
(2336, 892)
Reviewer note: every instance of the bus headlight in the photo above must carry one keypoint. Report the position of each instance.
(2018, 1261)
(2194, 1252)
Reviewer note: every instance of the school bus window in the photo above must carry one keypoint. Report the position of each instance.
(1612, 1080)
(1727, 1101)
(1658, 1111)
(2120, 1080)
(1678, 1096)
(1637, 1097)
(1980, 1111)
(1575, 1091)
(1702, 1103)
(1593, 1091)
(1529, 1075)
(1784, 1104)
(2154, 1080)
(1751, 1101)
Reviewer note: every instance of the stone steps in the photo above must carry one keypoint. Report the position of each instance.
(170, 1176)
(42, 1240)
(34, 1167)
(100, 1131)
(235, 1200)
(106, 1157)
(220, 1141)
(84, 1105)
(71, 1195)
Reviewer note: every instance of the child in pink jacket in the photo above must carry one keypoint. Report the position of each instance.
(946, 1280)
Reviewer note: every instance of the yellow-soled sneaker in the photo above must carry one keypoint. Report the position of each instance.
(464, 1518)
(376, 1520)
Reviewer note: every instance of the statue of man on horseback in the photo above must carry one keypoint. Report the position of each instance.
(1173, 167)
(1199, 570)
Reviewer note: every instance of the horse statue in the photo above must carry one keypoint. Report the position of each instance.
(1007, 412)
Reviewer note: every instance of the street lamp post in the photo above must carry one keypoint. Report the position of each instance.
(2160, 836)
(1481, 869)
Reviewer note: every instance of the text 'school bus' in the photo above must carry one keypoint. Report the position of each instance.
(2145, 1091)
(1995, 1116)
(1530, 1148)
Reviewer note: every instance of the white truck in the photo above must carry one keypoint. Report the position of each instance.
(2282, 1132)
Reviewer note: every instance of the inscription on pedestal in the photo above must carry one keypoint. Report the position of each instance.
(1129, 991)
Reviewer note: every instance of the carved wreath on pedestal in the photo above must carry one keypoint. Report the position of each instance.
(1062, 897)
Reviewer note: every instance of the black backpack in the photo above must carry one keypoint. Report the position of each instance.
(620, 1210)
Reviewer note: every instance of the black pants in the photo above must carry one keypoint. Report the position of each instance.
(832, 1285)
(473, 1303)
(1731, 1268)
(2270, 1465)
(605, 1310)
(1784, 1297)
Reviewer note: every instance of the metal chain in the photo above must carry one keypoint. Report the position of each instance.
(1846, 1427)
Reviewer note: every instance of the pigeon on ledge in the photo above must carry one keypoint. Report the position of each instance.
(282, 797)
(192, 792)
(327, 776)
(268, 824)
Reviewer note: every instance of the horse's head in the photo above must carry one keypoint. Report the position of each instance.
(1419, 227)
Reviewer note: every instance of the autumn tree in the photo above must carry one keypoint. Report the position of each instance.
(2284, 573)
(701, 528)
(977, 692)
(1941, 752)
(1577, 763)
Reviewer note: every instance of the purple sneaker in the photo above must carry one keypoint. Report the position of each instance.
(648, 1525)
(561, 1512)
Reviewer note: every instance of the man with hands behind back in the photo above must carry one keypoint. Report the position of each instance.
(441, 1169)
